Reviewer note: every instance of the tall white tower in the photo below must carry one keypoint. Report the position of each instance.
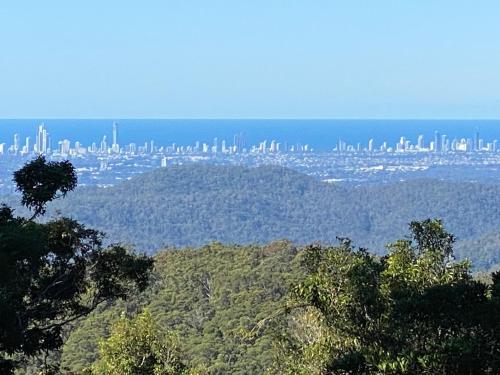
(16, 143)
(40, 139)
(115, 146)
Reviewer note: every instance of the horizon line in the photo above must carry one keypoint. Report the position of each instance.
(249, 118)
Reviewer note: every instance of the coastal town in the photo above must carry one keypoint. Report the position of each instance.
(107, 162)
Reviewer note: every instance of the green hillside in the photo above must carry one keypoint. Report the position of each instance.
(212, 297)
(194, 205)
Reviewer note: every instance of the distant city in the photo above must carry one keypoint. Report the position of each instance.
(43, 144)
(107, 161)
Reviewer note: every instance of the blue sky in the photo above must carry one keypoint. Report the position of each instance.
(250, 59)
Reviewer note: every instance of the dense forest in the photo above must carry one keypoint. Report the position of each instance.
(212, 297)
(267, 309)
(197, 204)
(73, 305)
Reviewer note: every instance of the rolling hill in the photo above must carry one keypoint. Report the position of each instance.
(197, 204)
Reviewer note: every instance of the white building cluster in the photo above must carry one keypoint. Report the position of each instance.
(43, 145)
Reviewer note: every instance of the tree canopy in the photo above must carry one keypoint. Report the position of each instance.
(192, 205)
(318, 309)
(211, 298)
(414, 311)
(55, 272)
(139, 346)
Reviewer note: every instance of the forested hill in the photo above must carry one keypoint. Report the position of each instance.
(212, 297)
(193, 205)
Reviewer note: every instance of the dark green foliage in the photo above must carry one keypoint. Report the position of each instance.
(41, 182)
(415, 311)
(55, 272)
(192, 205)
(212, 298)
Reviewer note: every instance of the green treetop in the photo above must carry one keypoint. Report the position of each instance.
(140, 346)
(415, 311)
(55, 272)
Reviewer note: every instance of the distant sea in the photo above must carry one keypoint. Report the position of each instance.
(319, 134)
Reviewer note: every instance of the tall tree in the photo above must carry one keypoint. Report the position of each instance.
(415, 311)
(54, 272)
(140, 346)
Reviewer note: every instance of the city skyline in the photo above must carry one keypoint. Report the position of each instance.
(104, 155)
(43, 145)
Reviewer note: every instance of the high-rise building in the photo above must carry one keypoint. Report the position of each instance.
(370, 145)
(470, 144)
(44, 141)
(65, 147)
(239, 141)
(27, 145)
(41, 144)
(263, 147)
(272, 148)
(115, 135)
(115, 147)
(16, 143)
(340, 145)
(444, 143)
(104, 145)
(437, 142)
(420, 142)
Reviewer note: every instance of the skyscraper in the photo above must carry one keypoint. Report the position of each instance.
(370, 145)
(444, 143)
(27, 145)
(437, 141)
(41, 139)
(104, 145)
(216, 145)
(420, 142)
(115, 146)
(115, 133)
(16, 143)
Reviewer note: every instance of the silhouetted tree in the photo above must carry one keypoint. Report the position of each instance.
(55, 272)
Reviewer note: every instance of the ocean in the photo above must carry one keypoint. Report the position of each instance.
(322, 135)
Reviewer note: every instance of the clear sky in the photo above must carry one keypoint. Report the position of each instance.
(250, 59)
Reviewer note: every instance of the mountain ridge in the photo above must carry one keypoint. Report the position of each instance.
(191, 205)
